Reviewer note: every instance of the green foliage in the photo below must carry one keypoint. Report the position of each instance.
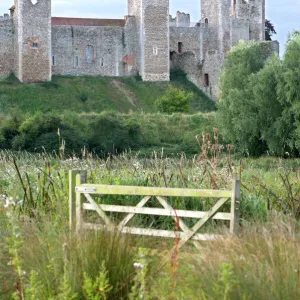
(84, 96)
(50, 85)
(226, 282)
(174, 101)
(200, 101)
(104, 133)
(258, 110)
(35, 289)
(99, 288)
(140, 289)
(111, 135)
(12, 79)
(65, 289)
(236, 115)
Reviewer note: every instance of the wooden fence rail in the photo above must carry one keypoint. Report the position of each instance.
(80, 200)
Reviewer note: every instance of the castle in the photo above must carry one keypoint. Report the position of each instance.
(34, 45)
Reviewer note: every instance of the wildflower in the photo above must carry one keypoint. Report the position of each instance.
(138, 265)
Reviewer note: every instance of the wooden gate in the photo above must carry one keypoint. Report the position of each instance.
(81, 198)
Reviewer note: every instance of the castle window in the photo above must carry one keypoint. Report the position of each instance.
(206, 21)
(35, 45)
(155, 50)
(90, 54)
(180, 46)
(76, 61)
(53, 60)
(206, 80)
(234, 8)
(172, 55)
(102, 62)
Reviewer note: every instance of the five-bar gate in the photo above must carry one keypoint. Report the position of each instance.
(81, 198)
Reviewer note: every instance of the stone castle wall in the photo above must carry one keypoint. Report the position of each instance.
(7, 57)
(240, 31)
(149, 41)
(85, 50)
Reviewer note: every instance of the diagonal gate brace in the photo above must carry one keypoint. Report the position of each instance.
(201, 223)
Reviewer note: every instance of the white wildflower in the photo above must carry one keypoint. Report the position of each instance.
(138, 265)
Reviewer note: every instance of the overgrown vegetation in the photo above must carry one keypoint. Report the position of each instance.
(40, 259)
(108, 132)
(174, 101)
(259, 106)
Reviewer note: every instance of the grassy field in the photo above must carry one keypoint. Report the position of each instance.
(39, 259)
(94, 94)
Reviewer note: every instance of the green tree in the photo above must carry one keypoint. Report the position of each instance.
(173, 101)
(259, 109)
(237, 112)
(289, 93)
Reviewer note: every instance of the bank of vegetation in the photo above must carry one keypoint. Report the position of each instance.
(101, 134)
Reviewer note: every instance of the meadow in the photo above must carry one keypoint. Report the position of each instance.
(41, 259)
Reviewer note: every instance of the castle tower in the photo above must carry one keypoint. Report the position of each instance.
(254, 12)
(216, 14)
(153, 25)
(32, 19)
(257, 19)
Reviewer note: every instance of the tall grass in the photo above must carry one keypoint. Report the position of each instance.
(262, 263)
(38, 254)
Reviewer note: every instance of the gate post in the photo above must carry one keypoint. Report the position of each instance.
(235, 206)
(80, 179)
(72, 198)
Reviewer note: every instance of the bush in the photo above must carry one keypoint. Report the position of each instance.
(110, 135)
(84, 96)
(174, 101)
(12, 79)
(9, 128)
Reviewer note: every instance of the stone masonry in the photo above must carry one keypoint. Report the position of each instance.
(148, 41)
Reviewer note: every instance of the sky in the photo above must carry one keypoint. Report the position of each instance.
(284, 14)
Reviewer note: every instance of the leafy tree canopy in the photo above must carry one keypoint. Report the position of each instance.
(259, 109)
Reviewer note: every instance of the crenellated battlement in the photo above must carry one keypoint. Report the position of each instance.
(5, 17)
(181, 20)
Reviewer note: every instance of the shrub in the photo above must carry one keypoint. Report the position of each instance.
(12, 79)
(174, 100)
(110, 135)
(84, 96)
(9, 128)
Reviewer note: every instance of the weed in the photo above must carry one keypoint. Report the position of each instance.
(84, 96)
(12, 79)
